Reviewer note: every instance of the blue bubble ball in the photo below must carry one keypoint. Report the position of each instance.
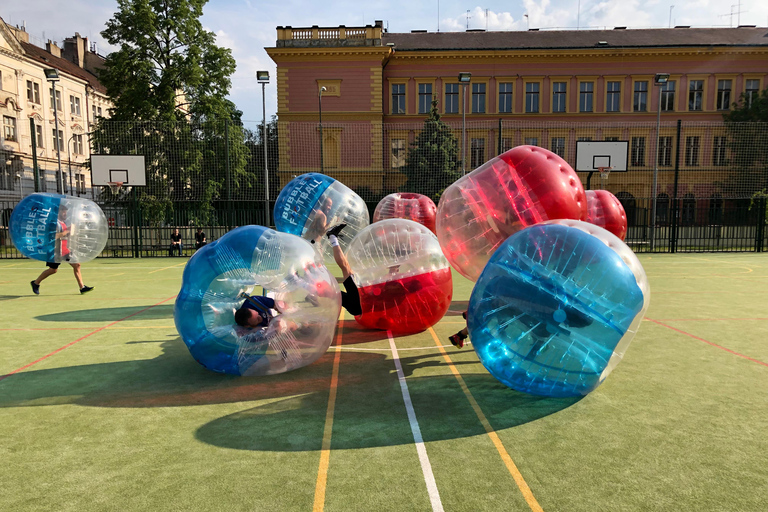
(556, 307)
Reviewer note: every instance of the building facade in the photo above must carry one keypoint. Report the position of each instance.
(27, 109)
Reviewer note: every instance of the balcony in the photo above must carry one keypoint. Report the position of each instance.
(324, 37)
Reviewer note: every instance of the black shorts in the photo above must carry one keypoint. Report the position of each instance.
(350, 300)
(52, 265)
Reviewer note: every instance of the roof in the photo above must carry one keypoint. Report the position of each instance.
(574, 39)
(70, 68)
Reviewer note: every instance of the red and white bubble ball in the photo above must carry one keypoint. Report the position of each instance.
(404, 280)
(605, 210)
(519, 188)
(407, 205)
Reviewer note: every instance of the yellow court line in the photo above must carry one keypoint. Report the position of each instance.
(325, 450)
(166, 268)
(14, 265)
(516, 475)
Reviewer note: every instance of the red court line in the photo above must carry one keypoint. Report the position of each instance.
(49, 329)
(17, 370)
(707, 342)
(707, 319)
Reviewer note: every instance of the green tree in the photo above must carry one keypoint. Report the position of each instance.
(432, 163)
(747, 128)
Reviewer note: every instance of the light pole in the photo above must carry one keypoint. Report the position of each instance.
(263, 79)
(464, 78)
(69, 161)
(320, 109)
(660, 80)
(52, 75)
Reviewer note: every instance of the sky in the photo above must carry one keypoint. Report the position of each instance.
(248, 26)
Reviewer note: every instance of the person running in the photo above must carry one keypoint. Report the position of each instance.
(62, 249)
(458, 339)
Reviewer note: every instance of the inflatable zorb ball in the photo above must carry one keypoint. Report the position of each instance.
(312, 203)
(605, 210)
(244, 261)
(58, 229)
(519, 188)
(403, 278)
(407, 205)
(556, 307)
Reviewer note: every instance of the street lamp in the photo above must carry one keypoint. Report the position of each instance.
(263, 78)
(464, 78)
(52, 75)
(660, 80)
(320, 104)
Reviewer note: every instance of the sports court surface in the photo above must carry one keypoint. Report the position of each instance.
(103, 408)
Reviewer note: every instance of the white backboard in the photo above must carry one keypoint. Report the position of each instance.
(591, 155)
(129, 169)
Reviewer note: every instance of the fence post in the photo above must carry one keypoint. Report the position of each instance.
(136, 220)
(498, 143)
(761, 220)
(226, 166)
(33, 134)
(675, 207)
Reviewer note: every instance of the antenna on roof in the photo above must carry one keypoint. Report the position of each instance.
(468, 16)
(438, 15)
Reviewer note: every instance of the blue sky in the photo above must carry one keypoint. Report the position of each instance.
(246, 27)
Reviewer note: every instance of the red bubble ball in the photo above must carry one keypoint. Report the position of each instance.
(605, 210)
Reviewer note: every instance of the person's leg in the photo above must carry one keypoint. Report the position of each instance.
(341, 261)
(78, 275)
(46, 273)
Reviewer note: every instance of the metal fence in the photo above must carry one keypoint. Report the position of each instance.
(710, 193)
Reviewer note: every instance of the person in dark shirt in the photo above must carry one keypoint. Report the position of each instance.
(200, 238)
(257, 311)
(175, 242)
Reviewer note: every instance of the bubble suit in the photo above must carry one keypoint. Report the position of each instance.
(404, 280)
(556, 307)
(519, 188)
(605, 210)
(407, 205)
(39, 217)
(304, 201)
(247, 257)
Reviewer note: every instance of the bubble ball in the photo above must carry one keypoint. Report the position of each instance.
(311, 203)
(605, 210)
(556, 307)
(404, 280)
(58, 229)
(519, 188)
(407, 205)
(246, 260)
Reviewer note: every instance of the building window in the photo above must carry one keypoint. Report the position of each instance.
(57, 143)
(477, 153)
(688, 214)
(613, 100)
(662, 209)
(715, 209)
(74, 105)
(9, 128)
(398, 98)
(39, 135)
(57, 101)
(478, 98)
(665, 151)
(668, 96)
(80, 183)
(425, 98)
(640, 102)
(638, 151)
(718, 150)
(692, 150)
(559, 96)
(451, 98)
(611, 139)
(586, 90)
(77, 144)
(398, 153)
(531, 141)
(558, 146)
(723, 94)
(751, 89)
(695, 94)
(33, 92)
(531, 97)
(505, 97)
(506, 144)
(96, 112)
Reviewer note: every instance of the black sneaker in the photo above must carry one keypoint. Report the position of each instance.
(457, 340)
(35, 287)
(86, 289)
(335, 230)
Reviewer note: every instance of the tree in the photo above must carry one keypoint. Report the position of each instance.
(747, 127)
(432, 162)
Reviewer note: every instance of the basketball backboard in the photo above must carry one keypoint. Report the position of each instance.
(126, 169)
(592, 155)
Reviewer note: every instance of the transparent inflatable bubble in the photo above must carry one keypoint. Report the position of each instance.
(407, 205)
(519, 188)
(311, 203)
(58, 228)
(404, 280)
(605, 210)
(249, 257)
(556, 307)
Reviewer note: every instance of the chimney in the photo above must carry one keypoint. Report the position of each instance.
(20, 33)
(52, 48)
(75, 48)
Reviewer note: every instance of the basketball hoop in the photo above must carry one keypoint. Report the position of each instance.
(115, 186)
(604, 172)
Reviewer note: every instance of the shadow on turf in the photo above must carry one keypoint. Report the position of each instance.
(110, 314)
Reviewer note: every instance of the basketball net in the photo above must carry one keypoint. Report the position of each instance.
(604, 172)
(115, 186)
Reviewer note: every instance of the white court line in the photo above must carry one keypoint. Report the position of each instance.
(386, 349)
(426, 467)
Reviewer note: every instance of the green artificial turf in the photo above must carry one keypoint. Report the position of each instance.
(124, 419)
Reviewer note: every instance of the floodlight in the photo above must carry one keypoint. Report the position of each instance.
(465, 77)
(51, 74)
(262, 76)
(661, 78)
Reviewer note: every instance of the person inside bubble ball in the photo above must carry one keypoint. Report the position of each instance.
(63, 231)
(350, 300)
(258, 311)
(319, 224)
